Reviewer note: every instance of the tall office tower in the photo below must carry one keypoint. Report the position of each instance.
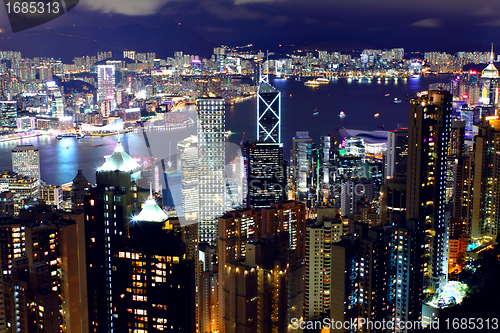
(79, 189)
(353, 191)
(490, 85)
(397, 153)
(153, 282)
(320, 234)
(302, 166)
(378, 275)
(8, 114)
(211, 157)
(327, 155)
(187, 164)
(268, 114)
(486, 204)
(265, 290)
(428, 139)
(393, 204)
(23, 188)
(455, 150)
(43, 281)
(351, 159)
(109, 208)
(265, 173)
(26, 161)
(106, 87)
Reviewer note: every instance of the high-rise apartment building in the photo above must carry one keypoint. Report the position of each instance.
(486, 198)
(377, 275)
(263, 291)
(320, 235)
(428, 139)
(268, 114)
(211, 159)
(26, 161)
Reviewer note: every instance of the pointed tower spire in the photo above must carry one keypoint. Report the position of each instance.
(491, 55)
(150, 191)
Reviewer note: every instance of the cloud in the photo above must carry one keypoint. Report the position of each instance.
(427, 23)
(491, 23)
(244, 2)
(125, 7)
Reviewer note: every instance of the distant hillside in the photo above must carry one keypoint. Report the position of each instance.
(67, 43)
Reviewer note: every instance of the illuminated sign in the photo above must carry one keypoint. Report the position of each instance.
(465, 96)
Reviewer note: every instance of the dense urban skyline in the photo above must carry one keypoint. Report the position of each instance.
(425, 25)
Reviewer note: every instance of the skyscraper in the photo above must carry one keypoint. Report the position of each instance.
(268, 114)
(153, 281)
(302, 168)
(109, 208)
(265, 173)
(320, 235)
(106, 88)
(428, 139)
(26, 161)
(486, 199)
(211, 157)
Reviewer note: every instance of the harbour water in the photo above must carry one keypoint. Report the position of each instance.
(304, 108)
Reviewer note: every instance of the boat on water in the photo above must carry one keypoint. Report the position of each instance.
(397, 101)
(311, 83)
(376, 115)
(322, 80)
(342, 114)
(315, 112)
(387, 94)
(97, 145)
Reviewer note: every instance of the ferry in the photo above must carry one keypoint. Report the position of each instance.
(376, 115)
(342, 114)
(312, 83)
(315, 112)
(397, 101)
(322, 80)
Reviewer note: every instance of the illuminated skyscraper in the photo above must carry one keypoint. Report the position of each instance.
(490, 85)
(301, 167)
(268, 114)
(153, 281)
(428, 139)
(109, 208)
(265, 173)
(486, 200)
(320, 235)
(211, 157)
(106, 88)
(26, 161)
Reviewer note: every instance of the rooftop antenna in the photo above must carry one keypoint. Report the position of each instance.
(150, 190)
(491, 55)
(264, 78)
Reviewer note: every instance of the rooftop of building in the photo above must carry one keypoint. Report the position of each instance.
(20, 148)
(119, 161)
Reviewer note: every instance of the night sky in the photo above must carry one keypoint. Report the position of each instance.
(419, 25)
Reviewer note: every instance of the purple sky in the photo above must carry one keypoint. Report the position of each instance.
(438, 25)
